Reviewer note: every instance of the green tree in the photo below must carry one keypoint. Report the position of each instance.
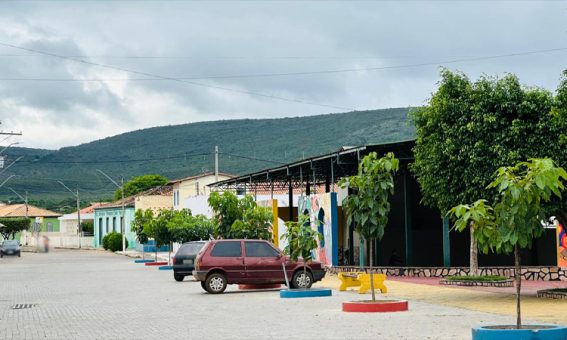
(369, 207)
(469, 129)
(157, 228)
(9, 227)
(139, 184)
(228, 208)
(141, 219)
(301, 242)
(516, 219)
(184, 227)
(256, 223)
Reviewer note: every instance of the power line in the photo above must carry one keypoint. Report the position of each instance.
(118, 160)
(173, 79)
(286, 74)
(251, 158)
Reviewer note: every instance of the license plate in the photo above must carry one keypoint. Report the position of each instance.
(187, 261)
(9, 252)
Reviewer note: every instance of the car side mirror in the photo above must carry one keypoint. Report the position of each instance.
(279, 256)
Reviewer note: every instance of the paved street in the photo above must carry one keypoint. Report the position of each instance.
(97, 295)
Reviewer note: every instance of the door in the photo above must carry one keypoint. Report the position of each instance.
(263, 263)
(228, 256)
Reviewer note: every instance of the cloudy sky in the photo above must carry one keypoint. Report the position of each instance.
(86, 70)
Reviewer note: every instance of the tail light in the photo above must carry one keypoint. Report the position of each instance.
(198, 263)
(173, 260)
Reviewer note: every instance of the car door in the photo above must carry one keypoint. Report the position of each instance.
(228, 256)
(263, 263)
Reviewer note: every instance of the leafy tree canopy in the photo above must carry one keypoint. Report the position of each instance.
(369, 206)
(9, 227)
(301, 239)
(184, 227)
(157, 228)
(139, 184)
(468, 129)
(239, 216)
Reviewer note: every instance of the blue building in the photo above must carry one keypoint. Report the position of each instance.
(108, 218)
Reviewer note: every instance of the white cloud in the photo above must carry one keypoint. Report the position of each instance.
(222, 38)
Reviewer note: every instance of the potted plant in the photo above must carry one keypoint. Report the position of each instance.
(369, 207)
(301, 243)
(512, 224)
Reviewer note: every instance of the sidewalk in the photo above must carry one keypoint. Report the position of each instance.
(477, 299)
(161, 256)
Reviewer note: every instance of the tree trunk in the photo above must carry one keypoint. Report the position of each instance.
(518, 277)
(473, 270)
(305, 274)
(371, 271)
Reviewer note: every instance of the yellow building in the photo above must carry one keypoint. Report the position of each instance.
(194, 186)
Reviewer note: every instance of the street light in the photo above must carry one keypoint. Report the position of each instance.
(6, 180)
(79, 231)
(121, 187)
(14, 162)
(9, 145)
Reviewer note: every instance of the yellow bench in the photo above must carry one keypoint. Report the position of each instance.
(362, 280)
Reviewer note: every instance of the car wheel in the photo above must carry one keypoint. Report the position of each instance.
(215, 283)
(19, 254)
(178, 277)
(300, 280)
(203, 285)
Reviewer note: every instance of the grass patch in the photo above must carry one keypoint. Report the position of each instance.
(485, 278)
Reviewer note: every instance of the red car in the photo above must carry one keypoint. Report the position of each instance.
(223, 262)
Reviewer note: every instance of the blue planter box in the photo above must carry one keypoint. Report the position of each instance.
(554, 332)
(150, 247)
(304, 293)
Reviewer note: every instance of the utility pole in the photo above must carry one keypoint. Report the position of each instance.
(25, 199)
(216, 163)
(79, 231)
(121, 187)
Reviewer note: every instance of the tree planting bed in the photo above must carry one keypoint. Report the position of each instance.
(556, 293)
(478, 281)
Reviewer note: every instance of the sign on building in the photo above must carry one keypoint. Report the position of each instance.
(561, 245)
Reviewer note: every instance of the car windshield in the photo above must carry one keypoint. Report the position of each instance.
(190, 248)
(10, 243)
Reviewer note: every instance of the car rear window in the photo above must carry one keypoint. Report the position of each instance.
(190, 249)
(259, 249)
(227, 249)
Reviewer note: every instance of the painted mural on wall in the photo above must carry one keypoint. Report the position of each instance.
(322, 211)
(561, 245)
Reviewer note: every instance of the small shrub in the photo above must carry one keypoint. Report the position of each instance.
(105, 241)
(113, 241)
(479, 278)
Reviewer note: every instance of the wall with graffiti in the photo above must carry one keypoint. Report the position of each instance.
(561, 245)
(322, 211)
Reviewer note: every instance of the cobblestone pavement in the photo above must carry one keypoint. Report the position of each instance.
(98, 295)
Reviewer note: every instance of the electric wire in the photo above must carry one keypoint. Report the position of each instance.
(222, 88)
(303, 73)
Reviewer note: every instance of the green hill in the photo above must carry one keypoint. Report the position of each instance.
(183, 150)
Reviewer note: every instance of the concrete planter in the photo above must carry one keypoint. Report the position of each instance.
(378, 306)
(304, 293)
(501, 284)
(538, 332)
(552, 294)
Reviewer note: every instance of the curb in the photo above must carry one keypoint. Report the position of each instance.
(384, 306)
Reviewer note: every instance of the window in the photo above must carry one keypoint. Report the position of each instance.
(176, 198)
(49, 226)
(107, 224)
(114, 223)
(227, 249)
(260, 249)
(190, 249)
